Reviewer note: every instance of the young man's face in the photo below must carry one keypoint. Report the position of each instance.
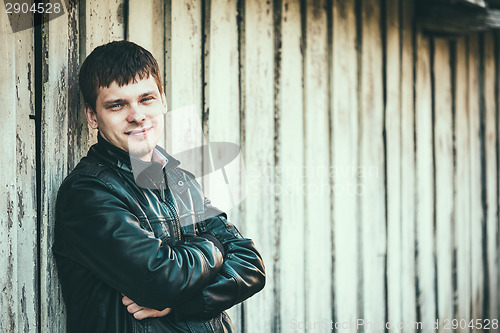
(130, 117)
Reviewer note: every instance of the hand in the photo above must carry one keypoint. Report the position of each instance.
(220, 228)
(141, 312)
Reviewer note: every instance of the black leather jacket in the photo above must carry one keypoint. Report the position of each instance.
(162, 246)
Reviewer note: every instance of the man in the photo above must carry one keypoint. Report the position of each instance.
(137, 245)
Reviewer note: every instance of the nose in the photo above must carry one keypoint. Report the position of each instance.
(136, 115)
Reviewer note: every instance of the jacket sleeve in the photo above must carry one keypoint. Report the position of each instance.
(241, 276)
(99, 232)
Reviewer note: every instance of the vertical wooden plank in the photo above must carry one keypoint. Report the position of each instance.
(184, 66)
(27, 248)
(9, 316)
(18, 249)
(426, 309)
(408, 212)
(393, 146)
(221, 105)
(222, 98)
(184, 80)
(54, 164)
(78, 130)
(372, 165)
(59, 42)
(491, 173)
(146, 27)
(289, 168)
(222, 108)
(347, 294)
(261, 222)
(104, 22)
(318, 217)
(462, 181)
(443, 147)
(477, 214)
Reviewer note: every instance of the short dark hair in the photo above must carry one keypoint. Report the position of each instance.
(120, 61)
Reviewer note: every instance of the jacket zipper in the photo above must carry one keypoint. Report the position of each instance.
(171, 208)
(175, 214)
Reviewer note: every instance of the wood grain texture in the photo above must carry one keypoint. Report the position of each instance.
(221, 104)
(184, 63)
(393, 119)
(18, 247)
(290, 180)
(345, 147)
(184, 80)
(104, 22)
(372, 162)
(326, 99)
(222, 113)
(26, 225)
(477, 214)
(145, 26)
(443, 152)
(64, 140)
(408, 171)
(426, 302)
(491, 169)
(317, 162)
(9, 303)
(54, 157)
(462, 183)
(78, 130)
(262, 223)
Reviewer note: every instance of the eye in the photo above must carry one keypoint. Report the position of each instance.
(147, 99)
(115, 106)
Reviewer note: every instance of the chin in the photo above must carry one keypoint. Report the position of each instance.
(141, 149)
(139, 146)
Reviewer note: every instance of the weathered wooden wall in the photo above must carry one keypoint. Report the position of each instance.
(370, 149)
(19, 287)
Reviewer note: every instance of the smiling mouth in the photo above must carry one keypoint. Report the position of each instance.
(141, 131)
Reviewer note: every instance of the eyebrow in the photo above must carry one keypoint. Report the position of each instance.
(121, 100)
(114, 101)
(152, 92)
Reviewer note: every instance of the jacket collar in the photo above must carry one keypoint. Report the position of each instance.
(144, 172)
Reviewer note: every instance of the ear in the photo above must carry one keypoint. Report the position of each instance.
(91, 117)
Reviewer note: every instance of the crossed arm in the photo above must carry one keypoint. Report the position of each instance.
(193, 278)
(241, 275)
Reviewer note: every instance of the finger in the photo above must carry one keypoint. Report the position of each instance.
(144, 313)
(127, 301)
(133, 308)
(165, 312)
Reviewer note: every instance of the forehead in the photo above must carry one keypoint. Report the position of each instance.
(127, 91)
